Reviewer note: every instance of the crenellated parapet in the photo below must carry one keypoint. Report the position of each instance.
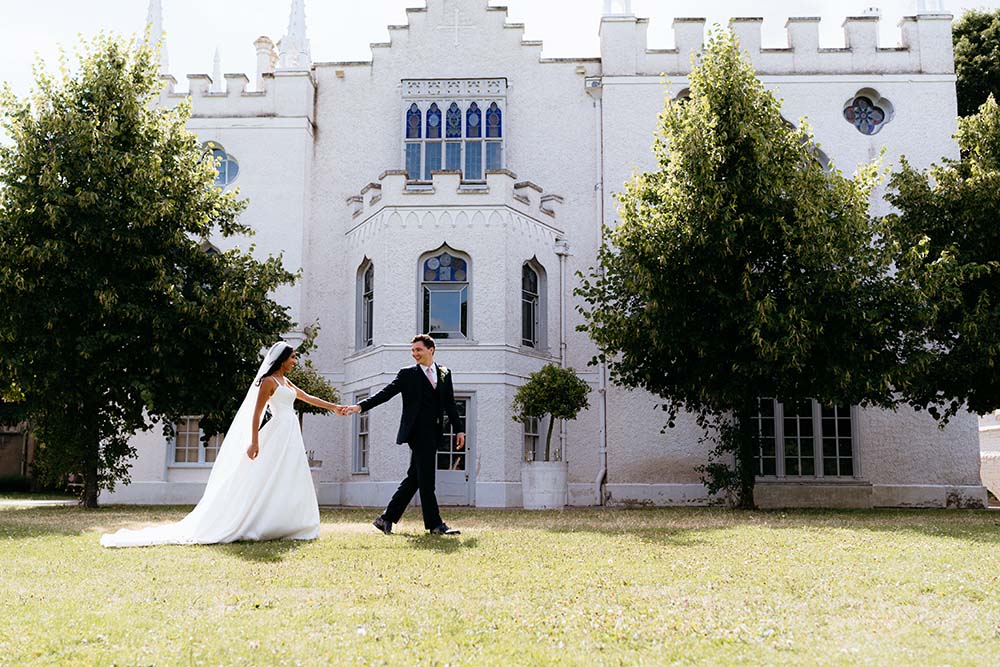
(284, 93)
(925, 47)
(446, 188)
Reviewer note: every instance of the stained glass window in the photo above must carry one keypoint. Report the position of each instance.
(413, 122)
(494, 122)
(454, 127)
(473, 122)
(434, 122)
(445, 279)
(864, 115)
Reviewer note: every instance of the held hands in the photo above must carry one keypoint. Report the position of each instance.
(346, 410)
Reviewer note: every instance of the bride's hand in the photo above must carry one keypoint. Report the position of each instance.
(253, 450)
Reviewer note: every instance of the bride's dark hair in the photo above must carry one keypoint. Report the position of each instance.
(282, 357)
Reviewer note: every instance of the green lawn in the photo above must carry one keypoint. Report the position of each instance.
(580, 587)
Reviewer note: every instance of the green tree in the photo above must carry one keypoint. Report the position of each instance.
(977, 58)
(554, 391)
(743, 268)
(115, 317)
(950, 250)
(305, 376)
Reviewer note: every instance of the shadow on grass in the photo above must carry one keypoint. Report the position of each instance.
(442, 543)
(663, 526)
(272, 551)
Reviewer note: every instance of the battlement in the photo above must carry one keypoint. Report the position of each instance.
(925, 47)
(285, 93)
(501, 188)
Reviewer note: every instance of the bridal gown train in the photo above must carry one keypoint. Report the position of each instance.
(269, 498)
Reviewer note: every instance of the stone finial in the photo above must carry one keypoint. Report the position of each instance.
(294, 47)
(154, 22)
(267, 58)
(217, 72)
(618, 7)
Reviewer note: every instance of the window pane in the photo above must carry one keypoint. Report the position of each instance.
(454, 126)
(445, 311)
(413, 122)
(473, 121)
(473, 160)
(493, 155)
(453, 156)
(494, 122)
(433, 162)
(433, 122)
(413, 161)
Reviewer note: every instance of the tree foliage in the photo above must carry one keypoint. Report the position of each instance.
(114, 315)
(976, 36)
(305, 376)
(950, 250)
(554, 391)
(742, 267)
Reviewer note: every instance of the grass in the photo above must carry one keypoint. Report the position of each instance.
(580, 587)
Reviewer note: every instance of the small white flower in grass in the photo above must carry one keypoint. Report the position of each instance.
(361, 631)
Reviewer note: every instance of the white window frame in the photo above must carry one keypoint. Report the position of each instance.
(172, 461)
(463, 92)
(817, 446)
(361, 439)
(424, 286)
(365, 334)
(541, 307)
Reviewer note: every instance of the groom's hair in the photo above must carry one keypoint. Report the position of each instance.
(425, 339)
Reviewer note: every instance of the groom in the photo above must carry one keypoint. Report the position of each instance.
(427, 394)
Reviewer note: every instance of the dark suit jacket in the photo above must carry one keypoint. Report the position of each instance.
(415, 387)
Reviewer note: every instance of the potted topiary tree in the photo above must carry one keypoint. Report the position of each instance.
(561, 394)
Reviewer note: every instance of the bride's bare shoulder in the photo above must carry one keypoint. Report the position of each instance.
(268, 384)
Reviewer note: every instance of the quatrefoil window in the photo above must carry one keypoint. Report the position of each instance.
(868, 112)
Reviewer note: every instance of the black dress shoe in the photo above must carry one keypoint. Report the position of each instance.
(382, 524)
(443, 529)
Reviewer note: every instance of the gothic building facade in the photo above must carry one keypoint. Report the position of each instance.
(456, 182)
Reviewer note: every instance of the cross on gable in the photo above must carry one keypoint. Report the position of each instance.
(456, 22)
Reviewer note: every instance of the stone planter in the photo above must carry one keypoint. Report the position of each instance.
(543, 484)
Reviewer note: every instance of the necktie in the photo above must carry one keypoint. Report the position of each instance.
(431, 376)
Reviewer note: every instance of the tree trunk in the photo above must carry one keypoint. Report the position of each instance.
(90, 476)
(548, 439)
(745, 454)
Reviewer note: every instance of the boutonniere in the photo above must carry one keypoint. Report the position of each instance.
(443, 371)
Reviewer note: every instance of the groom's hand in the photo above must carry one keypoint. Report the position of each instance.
(352, 410)
(460, 441)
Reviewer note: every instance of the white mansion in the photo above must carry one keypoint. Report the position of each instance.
(456, 182)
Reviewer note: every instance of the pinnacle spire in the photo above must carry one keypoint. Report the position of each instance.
(294, 52)
(217, 72)
(154, 22)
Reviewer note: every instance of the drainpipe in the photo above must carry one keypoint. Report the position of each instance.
(562, 250)
(595, 88)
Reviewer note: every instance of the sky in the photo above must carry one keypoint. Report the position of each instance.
(343, 29)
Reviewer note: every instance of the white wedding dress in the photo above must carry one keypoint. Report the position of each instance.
(269, 498)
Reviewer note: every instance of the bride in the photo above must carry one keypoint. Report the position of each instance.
(263, 492)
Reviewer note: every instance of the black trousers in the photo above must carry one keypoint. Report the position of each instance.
(419, 477)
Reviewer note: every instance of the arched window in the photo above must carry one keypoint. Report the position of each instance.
(432, 156)
(473, 143)
(494, 132)
(226, 166)
(366, 305)
(453, 130)
(533, 305)
(413, 148)
(444, 287)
